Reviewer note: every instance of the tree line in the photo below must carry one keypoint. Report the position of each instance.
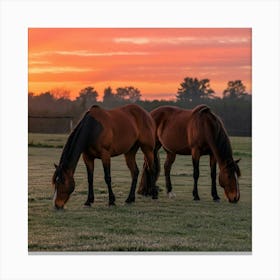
(234, 107)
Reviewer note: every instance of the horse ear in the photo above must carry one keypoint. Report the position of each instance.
(55, 166)
(236, 161)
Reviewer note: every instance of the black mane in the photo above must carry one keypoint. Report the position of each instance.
(222, 140)
(220, 136)
(58, 175)
(71, 149)
(87, 131)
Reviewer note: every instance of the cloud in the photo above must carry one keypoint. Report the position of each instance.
(86, 53)
(135, 40)
(232, 40)
(39, 62)
(182, 40)
(246, 67)
(145, 40)
(57, 70)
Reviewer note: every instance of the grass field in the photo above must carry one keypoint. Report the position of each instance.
(179, 224)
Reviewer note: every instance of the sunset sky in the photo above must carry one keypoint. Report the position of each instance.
(155, 60)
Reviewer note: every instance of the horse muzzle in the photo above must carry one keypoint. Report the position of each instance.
(235, 199)
(58, 207)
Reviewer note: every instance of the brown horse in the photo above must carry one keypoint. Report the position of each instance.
(104, 134)
(194, 132)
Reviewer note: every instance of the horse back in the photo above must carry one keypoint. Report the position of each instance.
(171, 128)
(143, 123)
(122, 128)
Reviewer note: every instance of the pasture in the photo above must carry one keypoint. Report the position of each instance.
(178, 225)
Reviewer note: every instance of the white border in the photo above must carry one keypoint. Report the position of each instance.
(17, 16)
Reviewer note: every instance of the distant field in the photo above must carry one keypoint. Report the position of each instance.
(179, 224)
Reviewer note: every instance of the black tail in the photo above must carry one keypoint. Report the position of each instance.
(145, 187)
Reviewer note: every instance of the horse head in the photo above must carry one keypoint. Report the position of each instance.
(228, 179)
(64, 185)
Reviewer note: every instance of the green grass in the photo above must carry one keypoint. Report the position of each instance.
(179, 224)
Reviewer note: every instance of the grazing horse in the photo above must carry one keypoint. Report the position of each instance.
(194, 132)
(104, 134)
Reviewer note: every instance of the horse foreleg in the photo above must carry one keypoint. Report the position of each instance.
(106, 162)
(131, 163)
(213, 166)
(170, 158)
(90, 169)
(195, 162)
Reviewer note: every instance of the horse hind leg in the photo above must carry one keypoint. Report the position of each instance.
(131, 163)
(195, 162)
(213, 167)
(170, 158)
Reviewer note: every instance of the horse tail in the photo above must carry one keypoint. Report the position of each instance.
(156, 164)
(144, 187)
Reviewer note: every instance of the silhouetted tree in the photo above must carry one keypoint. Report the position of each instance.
(131, 94)
(235, 113)
(193, 89)
(46, 97)
(87, 97)
(60, 93)
(108, 95)
(235, 89)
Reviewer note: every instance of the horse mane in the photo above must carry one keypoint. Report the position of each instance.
(200, 109)
(95, 106)
(233, 166)
(217, 129)
(221, 137)
(69, 148)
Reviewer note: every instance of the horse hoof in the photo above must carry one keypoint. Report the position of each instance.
(158, 188)
(112, 203)
(216, 199)
(171, 195)
(87, 205)
(196, 198)
(130, 200)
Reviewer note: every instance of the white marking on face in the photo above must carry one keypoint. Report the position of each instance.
(236, 179)
(54, 197)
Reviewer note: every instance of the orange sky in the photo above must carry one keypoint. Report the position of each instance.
(155, 60)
